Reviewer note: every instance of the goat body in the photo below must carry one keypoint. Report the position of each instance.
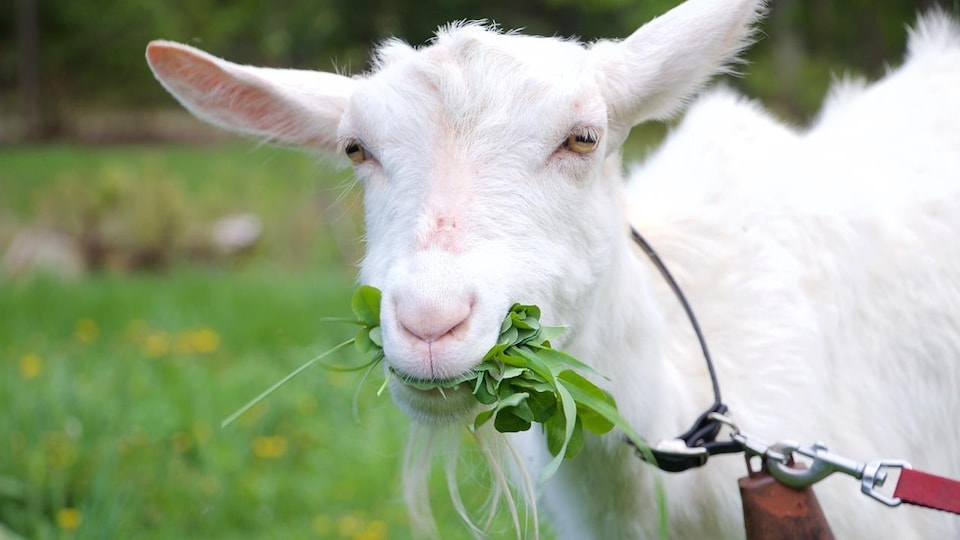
(823, 264)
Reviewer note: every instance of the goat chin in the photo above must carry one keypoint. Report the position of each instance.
(511, 488)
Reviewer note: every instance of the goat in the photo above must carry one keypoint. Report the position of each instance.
(823, 264)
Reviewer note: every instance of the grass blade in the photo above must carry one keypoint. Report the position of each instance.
(228, 420)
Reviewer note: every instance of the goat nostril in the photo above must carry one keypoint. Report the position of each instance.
(433, 331)
(431, 323)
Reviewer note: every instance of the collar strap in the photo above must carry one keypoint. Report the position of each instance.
(691, 448)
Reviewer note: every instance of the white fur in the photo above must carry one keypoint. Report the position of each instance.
(823, 264)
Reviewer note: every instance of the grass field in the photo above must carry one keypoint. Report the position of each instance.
(113, 386)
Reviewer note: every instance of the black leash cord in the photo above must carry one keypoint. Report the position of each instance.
(700, 440)
(648, 249)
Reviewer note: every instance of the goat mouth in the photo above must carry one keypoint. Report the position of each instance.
(436, 401)
(434, 385)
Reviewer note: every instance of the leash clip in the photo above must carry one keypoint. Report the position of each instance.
(872, 475)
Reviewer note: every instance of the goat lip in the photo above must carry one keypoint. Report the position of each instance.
(432, 385)
(436, 405)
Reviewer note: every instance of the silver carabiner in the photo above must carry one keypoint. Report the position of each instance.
(824, 463)
(872, 475)
(778, 459)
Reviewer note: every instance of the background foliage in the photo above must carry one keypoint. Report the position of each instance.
(90, 54)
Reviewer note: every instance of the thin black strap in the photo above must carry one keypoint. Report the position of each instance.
(648, 249)
(699, 442)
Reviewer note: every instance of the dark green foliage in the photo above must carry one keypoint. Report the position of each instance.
(91, 54)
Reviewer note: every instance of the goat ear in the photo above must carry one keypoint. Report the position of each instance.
(652, 73)
(301, 108)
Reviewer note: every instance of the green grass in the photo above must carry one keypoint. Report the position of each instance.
(113, 392)
(113, 387)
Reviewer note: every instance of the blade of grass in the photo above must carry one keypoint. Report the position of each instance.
(344, 320)
(227, 421)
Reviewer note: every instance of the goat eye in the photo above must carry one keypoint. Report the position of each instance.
(355, 152)
(581, 143)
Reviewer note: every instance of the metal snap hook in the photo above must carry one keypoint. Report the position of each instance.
(824, 463)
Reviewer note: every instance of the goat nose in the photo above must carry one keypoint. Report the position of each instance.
(430, 321)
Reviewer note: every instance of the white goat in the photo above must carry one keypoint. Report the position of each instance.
(823, 265)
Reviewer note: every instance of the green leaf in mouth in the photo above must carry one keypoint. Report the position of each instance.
(366, 305)
(520, 381)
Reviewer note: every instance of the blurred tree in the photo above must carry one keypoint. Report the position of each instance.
(28, 76)
(91, 54)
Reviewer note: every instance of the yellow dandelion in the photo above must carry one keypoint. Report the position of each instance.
(31, 366)
(156, 344)
(204, 341)
(270, 447)
(69, 519)
(86, 331)
(372, 530)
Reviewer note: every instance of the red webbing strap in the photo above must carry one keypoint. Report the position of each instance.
(928, 490)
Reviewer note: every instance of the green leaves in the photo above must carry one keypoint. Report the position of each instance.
(366, 307)
(533, 384)
(521, 381)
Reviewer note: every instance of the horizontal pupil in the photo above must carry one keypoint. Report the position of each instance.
(584, 139)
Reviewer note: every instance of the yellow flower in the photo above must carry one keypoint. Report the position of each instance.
(86, 331)
(31, 366)
(272, 447)
(204, 341)
(69, 519)
(372, 530)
